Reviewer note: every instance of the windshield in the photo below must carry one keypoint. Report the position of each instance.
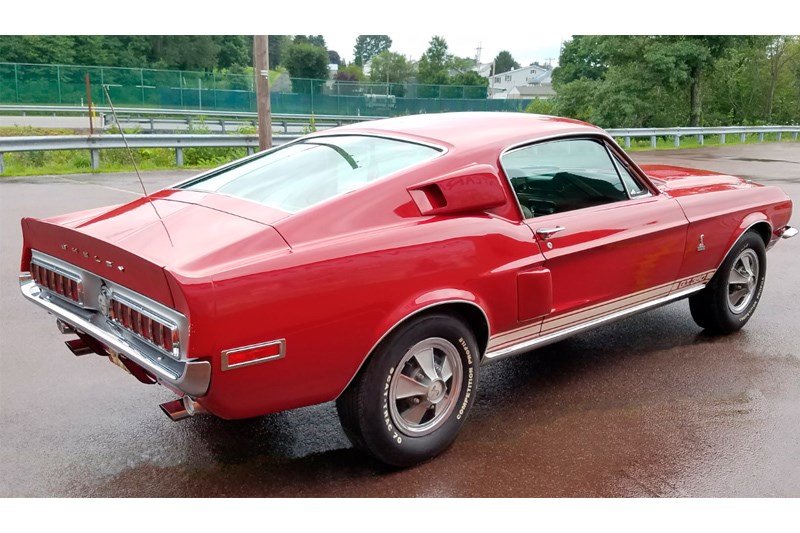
(306, 173)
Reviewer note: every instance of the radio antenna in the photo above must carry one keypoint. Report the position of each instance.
(135, 167)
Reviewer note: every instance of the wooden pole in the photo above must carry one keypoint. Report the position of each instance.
(89, 103)
(261, 57)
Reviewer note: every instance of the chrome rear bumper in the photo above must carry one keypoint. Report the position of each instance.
(191, 377)
(786, 232)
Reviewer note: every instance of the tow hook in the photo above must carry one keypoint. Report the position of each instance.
(182, 408)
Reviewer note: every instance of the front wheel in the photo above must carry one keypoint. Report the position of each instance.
(728, 302)
(409, 402)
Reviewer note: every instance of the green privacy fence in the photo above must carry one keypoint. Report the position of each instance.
(173, 89)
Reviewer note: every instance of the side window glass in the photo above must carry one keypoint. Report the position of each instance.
(559, 176)
(635, 189)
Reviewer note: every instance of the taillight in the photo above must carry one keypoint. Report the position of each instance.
(160, 335)
(57, 282)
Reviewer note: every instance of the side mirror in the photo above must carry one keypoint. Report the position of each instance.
(472, 188)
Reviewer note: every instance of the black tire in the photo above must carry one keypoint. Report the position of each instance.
(379, 409)
(718, 308)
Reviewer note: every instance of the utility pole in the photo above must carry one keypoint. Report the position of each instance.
(261, 57)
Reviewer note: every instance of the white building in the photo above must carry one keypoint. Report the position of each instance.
(512, 84)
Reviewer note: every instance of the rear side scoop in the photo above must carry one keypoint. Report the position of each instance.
(472, 188)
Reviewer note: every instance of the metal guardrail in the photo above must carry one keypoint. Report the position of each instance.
(700, 133)
(95, 143)
(178, 142)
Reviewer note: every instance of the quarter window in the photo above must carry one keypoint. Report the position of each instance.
(558, 176)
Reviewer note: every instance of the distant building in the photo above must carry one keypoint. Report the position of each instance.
(519, 83)
(484, 69)
(531, 91)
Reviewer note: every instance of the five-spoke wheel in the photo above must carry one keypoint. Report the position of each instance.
(410, 400)
(728, 301)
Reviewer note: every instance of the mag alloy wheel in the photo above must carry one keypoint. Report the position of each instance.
(742, 281)
(414, 394)
(425, 386)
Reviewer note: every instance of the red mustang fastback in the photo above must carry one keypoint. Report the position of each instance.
(381, 264)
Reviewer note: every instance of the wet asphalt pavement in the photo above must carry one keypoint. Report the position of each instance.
(650, 406)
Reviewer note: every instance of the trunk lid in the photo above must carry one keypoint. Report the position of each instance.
(197, 234)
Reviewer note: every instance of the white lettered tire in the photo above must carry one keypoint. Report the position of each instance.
(409, 402)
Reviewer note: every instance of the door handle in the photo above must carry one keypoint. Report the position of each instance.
(546, 233)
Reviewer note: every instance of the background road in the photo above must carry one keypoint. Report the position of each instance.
(649, 406)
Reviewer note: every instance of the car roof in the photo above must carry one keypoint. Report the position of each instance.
(470, 130)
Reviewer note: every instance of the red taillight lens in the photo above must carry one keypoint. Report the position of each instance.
(170, 338)
(58, 283)
(148, 328)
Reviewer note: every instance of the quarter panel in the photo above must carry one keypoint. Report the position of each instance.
(332, 301)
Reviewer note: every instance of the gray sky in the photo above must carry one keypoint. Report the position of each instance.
(525, 49)
(531, 31)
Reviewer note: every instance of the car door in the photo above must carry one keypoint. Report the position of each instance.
(609, 242)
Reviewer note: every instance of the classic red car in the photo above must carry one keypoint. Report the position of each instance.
(381, 264)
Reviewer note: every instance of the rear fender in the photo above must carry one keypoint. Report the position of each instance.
(428, 301)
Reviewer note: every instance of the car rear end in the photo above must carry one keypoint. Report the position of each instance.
(96, 291)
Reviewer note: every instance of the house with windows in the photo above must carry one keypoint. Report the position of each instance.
(526, 82)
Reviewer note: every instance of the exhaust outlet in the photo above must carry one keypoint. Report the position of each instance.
(78, 347)
(182, 408)
(65, 328)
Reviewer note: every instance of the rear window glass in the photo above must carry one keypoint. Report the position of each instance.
(309, 172)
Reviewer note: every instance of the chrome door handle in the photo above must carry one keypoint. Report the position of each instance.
(546, 233)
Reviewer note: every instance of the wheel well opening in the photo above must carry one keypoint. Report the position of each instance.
(473, 317)
(763, 230)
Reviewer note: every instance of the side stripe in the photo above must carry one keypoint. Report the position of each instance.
(587, 314)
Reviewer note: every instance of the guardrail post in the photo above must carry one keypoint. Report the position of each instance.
(653, 142)
(2, 164)
(627, 142)
(794, 137)
(222, 125)
(250, 150)
(677, 141)
(700, 139)
(743, 137)
(779, 136)
(94, 155)
(722, 138)
(761, 137)
(152, 126)
(285, 127)
(179, 156)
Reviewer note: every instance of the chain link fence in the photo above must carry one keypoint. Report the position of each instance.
(175, 89)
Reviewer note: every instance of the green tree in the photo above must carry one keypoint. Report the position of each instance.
(541, 106)
(350, 73)
(234, 50)
(278, 45)
(391, 67)
(368, 46)
(461, 64)
(92, 50)
(186, 52)
(432, 66)
(504, 62)
(307, 62)
(37, 49)
(582, 58)
(316, 40)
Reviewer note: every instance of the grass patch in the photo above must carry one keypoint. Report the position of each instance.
(113, 160)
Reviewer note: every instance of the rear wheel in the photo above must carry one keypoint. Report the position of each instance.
(409, 402)
(728, 302)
